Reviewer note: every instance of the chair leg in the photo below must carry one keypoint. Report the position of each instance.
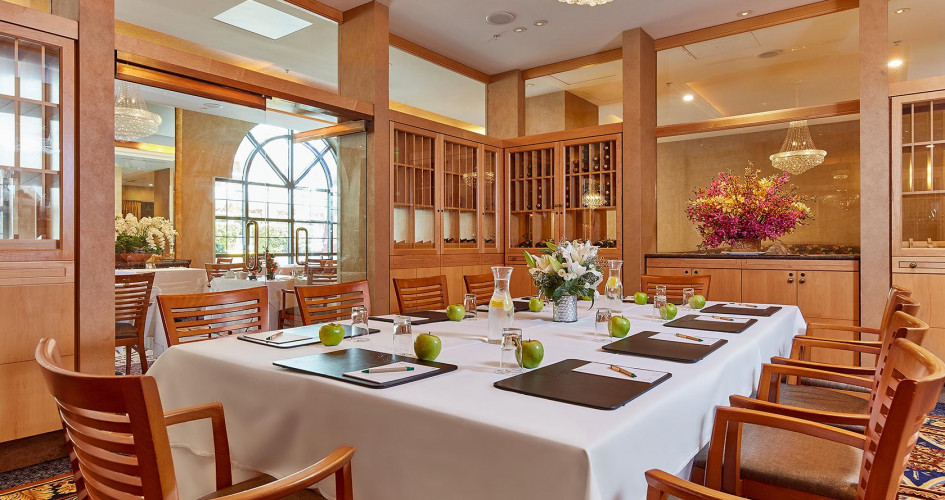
(144, 357)
(127, 360)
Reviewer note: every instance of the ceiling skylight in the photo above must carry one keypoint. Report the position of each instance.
(262, 20)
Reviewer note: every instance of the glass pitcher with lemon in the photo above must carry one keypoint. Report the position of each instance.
(613, 290)
(501, 310)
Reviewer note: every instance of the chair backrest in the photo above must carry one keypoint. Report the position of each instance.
(218, 270)
(908, 390)
(325, 303)
(421, 294)
(676, 284)
(132, 298)
(901, 325)
(895, 300)
(114, 429)
(482, 285)
(214, 314)
(224, 260)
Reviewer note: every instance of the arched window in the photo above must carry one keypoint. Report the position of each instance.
(282, 185)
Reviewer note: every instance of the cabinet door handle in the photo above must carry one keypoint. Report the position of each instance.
(695, 271)
(802, 281)
(790, 280)
(913, 265)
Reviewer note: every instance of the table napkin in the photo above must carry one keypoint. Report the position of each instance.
(285, 338)
(603, 369)
(390, 376)
(669, 337)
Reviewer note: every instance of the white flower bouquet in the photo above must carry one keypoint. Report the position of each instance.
(151, 235)
(568, 268)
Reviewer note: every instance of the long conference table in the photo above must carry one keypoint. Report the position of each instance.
(454, 435)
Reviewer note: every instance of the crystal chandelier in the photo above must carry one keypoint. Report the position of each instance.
(798, 154)
(133, 120)
(592, 197)
(586, 2)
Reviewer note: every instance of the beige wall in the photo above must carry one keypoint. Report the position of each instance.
(137, 193)
(684, 165)
(558, 111)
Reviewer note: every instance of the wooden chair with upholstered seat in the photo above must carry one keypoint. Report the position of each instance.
(773, 454)
(480, 285)
(214, 314)
(326, 303)
(132, 300)
(224, 260)
(421, 294)
(116, 433)
(675, 285)
(220, 269)
(665, 486)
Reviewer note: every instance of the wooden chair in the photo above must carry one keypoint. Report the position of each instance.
(482, 285)
(289, 315)
(766, 454)
(224, 260)
(214, 314)
(421, 294)
(664, 486)
(676, 284)
(325, 303)
(132, 300)
(116, 433)
(219, 270)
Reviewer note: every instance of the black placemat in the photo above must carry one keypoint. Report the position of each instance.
(428, 317)
(311, 330)
(649, 300)
(518, 305)
(692, 321)
(744, 311)
(559, 382)
(336, 363)
(642, 345)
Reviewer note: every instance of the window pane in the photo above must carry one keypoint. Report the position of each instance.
(260, 171)
(31, 135)
(7, 132)
(51, 77)
(29, 205)
(30, 70)
(7, 73)
(278, 152)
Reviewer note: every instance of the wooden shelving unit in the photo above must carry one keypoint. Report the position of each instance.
(414, 191)
(531, 191)
(590, 192)
(460, 195)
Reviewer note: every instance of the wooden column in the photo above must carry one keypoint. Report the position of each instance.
(874, 161)
(364, 73)
(95, 201)
(505, 105)
(639, 153)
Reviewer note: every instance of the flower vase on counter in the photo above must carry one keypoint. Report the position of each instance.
(564, 272)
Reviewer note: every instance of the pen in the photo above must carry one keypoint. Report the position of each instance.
(623, 371)
(723, 318)
(746, 305)
(388, 369)
(274, 335)
(688, 337)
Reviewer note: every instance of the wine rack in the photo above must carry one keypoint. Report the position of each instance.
(590, 189)
(490, 198)
(460, 195)
(414, 192)
(532, 206)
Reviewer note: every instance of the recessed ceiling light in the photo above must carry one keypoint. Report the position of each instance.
(902, 10)
(150, 185)
(895, 63)
(262, 20)
(520, 29)
(771, 53)
(500, 18)
(688, 97)
(541, 22)
(744, 13)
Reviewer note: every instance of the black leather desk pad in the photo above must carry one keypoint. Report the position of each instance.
(693, 322)
(336, 363)
(312, 329)
(642, 345)
(744, 311)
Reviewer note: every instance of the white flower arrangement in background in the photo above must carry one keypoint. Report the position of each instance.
(148, 235)
(569, 267)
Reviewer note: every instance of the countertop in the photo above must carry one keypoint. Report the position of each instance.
(698, 255)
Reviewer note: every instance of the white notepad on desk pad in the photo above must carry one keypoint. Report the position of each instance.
(382, 378)
(670, 337)
(604, 370)
(392, 317)
(736, 321)
(285, 338)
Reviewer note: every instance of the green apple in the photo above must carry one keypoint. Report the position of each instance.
(535, 304)
(640, 298)
(530, 353)
(668, 311)
(619, 327)
(697, 301)
(427, 346)
(331, 334)
(456, 312)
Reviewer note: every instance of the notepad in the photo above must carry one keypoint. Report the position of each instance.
(382, 378)
(285, 338)
(734, 321)
(603, 369)
(742, 305)
(669, 337)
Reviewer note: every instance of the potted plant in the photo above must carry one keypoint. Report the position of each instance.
(564, 272)
(744, 210)
(136, 240)
(271, 266)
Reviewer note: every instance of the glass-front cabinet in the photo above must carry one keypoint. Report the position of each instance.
(414, 191)
(460, 212)
(590, 192)
(532, 208)
(919, 174)
(491, 183)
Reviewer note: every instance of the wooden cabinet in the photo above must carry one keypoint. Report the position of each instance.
(726, 282)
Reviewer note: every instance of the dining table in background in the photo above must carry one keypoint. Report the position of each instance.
(275, 288)
(455, 435)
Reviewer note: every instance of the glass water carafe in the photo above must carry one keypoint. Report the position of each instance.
(613, 289)
(501, 310)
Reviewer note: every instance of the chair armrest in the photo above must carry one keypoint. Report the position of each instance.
(859, 371)
(727, 436)
(769, 387)
(802, 346)
(813, 327)
(221, 445)
(660, 484)
(337, 463)
(823, 417)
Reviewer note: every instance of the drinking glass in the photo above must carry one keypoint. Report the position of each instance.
(602, 325)
(403, 336)
(469, 303)
(658, 302)
(660, 292)
(359, 324)
(687, 293)
(509, 359)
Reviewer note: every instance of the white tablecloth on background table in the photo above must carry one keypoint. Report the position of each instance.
(170, 281)
(275, 287)
(454, 435)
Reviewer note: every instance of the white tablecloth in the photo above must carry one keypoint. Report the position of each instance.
(454, 435)
(170, 281)
(275, 287)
